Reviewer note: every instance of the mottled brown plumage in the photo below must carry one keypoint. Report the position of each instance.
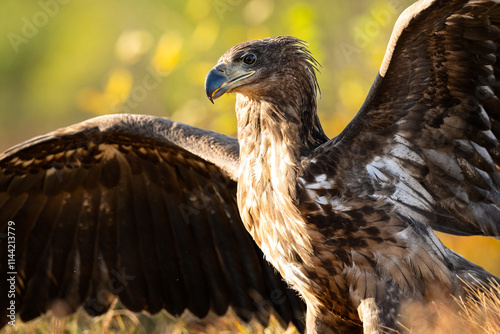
(347, 222)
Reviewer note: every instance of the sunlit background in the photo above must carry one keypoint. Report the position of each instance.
(62, 62)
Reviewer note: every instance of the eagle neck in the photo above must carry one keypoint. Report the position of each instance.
(272, 146)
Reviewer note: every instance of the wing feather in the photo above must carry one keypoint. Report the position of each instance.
(421, 154)
(136, 207)
(426, 138)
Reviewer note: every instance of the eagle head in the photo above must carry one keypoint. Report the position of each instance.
(265, 69)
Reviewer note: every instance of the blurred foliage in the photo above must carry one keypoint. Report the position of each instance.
(64, 61)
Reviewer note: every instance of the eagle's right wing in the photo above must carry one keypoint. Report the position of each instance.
(134, 206)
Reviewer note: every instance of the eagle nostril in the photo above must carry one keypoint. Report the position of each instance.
(221, 68)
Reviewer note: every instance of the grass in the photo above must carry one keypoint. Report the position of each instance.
(476, 313)
(123, 321)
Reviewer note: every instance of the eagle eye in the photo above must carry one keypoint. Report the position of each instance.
(249, 59)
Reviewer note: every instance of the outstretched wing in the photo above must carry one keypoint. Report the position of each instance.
(425, 142)
(134, 206)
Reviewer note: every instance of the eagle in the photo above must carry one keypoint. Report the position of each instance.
(168, 216)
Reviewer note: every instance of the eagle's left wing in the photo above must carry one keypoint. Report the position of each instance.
(421, 154)
(425, 143)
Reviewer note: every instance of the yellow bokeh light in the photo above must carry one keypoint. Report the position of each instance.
(167, 52)
(300, 16)
(197, 9)
(300, 22)
(258, 32)
(205, 34)
(115, 93)
(258, 11)
(351, 94)
(198, 71)
(132, 44)
(89, 99)
(236, 34)
(119, 84)
(377, 53)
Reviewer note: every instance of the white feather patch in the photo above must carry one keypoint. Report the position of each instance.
(388, 173)
(320, 182)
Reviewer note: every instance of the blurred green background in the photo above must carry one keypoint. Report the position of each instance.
(65, 61)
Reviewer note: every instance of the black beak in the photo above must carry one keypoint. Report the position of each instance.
(215, 83)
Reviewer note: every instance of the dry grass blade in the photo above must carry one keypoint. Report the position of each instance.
(481, 307)
(478, 312)
(120, 320)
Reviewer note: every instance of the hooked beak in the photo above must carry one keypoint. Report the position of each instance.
(218, 82)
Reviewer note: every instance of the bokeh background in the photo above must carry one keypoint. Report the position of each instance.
(64, 61)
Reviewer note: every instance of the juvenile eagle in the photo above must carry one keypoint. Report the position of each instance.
(148, 209)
